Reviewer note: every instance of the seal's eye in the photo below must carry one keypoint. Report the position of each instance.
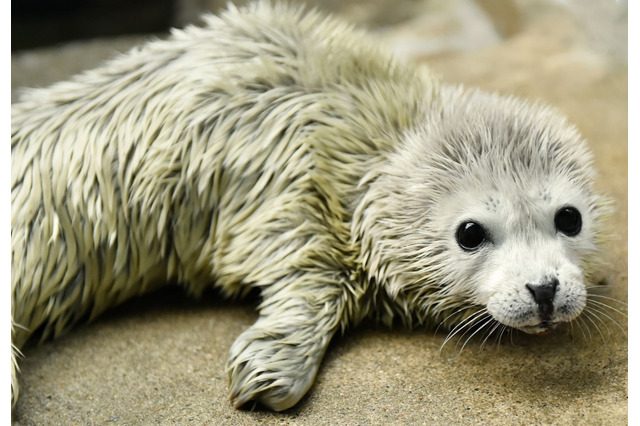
(568, 221)
(470, 235)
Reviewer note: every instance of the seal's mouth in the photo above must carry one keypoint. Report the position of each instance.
(539, 329)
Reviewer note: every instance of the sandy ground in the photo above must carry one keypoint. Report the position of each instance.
(161, 359)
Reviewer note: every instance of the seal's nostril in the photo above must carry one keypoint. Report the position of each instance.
(543, 293)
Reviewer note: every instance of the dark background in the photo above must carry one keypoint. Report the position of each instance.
(36, 23)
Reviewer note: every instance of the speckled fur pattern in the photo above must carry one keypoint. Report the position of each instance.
(281, 150)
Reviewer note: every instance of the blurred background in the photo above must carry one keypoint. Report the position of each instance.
(418, 29)
(37, 23)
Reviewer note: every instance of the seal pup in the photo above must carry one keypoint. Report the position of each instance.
(283, 151)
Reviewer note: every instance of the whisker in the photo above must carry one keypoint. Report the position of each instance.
(504, 328)
(488, 332)
(511, 331)
(613, 299)
(470, 320)
(602, 296)
(604, 305)
(579, 326)
(595, 314)
(581, 321)
(601, 312)
(486, 322)
(572, 331)
(470, 328)
(457, 311)
(459, 327)
(588, 315)
(491, 331)
(466, 323)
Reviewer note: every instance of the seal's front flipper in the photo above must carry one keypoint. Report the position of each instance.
(275, 361)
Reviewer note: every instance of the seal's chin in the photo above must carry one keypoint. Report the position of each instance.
(539, 329)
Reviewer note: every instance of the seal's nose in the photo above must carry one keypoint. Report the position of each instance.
(543, 294)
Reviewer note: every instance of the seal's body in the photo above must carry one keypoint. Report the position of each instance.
(283, 151)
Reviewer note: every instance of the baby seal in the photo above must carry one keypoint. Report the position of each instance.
(282, 151)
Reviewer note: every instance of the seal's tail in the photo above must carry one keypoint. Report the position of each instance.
(15, 369)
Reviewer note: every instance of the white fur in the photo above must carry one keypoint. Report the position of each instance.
(284, 151)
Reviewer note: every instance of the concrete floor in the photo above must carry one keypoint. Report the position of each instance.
(161, 359)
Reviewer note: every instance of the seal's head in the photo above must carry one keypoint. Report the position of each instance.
(485, 213)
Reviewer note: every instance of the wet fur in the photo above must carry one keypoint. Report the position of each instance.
(278, 150)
